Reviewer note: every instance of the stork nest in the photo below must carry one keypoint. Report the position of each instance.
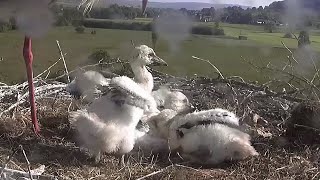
(261, 111)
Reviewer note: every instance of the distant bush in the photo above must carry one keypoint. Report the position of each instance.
(80, 29)
(5, 26)
(108, 63)
(288, 35)
(99, 55)
(204, 30)
(93, 32)
(243, 37)
(61, 21)
(270, 27)
(218, 32)
(77, 22)
(207, 30)
(13, 23)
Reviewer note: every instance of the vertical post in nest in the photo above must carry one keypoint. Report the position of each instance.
(154, 35)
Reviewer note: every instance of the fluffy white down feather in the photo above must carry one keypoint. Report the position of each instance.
(159, 124)
(98, 136)
(87, 85)
(126, 114)
(152, 144)
(160, 95)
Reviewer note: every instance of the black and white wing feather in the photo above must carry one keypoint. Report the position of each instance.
(183, 124)
(124, 90)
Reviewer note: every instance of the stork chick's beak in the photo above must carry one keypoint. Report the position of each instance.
(156, 61)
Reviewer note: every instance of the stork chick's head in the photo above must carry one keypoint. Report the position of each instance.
(178, 101)
(144, 55)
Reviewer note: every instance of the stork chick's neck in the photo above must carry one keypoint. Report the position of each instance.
(142, 76)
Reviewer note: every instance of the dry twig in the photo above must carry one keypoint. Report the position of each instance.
(64, 62)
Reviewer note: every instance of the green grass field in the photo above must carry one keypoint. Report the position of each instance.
(224, 52)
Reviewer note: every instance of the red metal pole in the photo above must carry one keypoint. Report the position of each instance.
(28, 58)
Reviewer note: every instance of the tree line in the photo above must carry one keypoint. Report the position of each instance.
(272, 14)
(269, 16)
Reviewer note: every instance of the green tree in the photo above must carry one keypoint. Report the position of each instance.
(303, 39)
(270, 26)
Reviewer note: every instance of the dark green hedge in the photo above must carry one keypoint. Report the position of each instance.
(207, 30)
(117, 25)
(139, 26)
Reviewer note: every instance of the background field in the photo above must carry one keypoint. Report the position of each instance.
(225, 52)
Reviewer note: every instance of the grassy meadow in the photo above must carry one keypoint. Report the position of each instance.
(227, 52)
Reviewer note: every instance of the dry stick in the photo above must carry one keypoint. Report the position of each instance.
(292, 55)
(25, 174)
(212, 65)
(217, 70)
(26, 158)
(315, 176)
(316, 70)
(7, 162)
(48, 69)
(307, 127)
(3, 84)
(316, 74)
(47, 75)
(295, 36)
(237, 77)
(197, 170)
(154, 173)
(302, 78)
(165, 74)
(83, 67)
(64, 62)
(37, 90)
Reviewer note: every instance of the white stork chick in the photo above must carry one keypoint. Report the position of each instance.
(209, 137)
(113, 131)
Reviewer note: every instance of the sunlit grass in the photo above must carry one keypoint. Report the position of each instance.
(226, 53)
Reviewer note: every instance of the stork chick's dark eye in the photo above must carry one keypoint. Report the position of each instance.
(151, 54)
